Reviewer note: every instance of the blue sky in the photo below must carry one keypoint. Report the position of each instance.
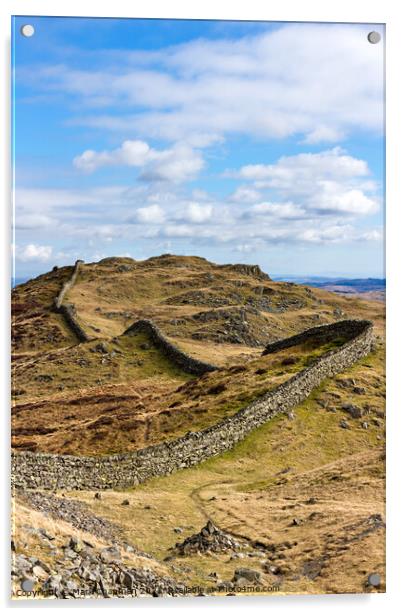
(237, 141)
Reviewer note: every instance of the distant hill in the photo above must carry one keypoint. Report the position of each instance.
(368, 288)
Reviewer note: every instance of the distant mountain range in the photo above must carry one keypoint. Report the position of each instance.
(369, 288)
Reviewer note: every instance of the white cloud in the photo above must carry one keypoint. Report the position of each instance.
(244, 249)
(179, 231)
(277, 210)
(334, 163)
(153, 214)
(325, 182)
(33, 252)
(245, 194)
(197, 213)
(130, 153)
(325, 134)
(333, 197)
(319, 81)
(179, 164)
(373, 235)
(338, 233)
(176, 164)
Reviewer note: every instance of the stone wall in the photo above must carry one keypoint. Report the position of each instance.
(180, 358)
(67, 310)
(322, 333)
(58, 300)
(48, 471)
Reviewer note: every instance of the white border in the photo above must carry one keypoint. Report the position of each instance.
(382, 11)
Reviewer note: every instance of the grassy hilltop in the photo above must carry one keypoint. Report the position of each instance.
(304, 493)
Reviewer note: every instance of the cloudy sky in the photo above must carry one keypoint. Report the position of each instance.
(240, 142)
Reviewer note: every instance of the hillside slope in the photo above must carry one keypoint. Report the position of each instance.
(302, 495)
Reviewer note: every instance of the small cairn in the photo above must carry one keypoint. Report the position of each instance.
(209, 539)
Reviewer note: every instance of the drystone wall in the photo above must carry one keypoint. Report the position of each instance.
(48, 471)
(348, 329)
(67, 310)
(180, 358)
(68, 284)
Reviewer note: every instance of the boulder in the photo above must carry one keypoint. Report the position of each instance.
(251, 575)
(354, 411)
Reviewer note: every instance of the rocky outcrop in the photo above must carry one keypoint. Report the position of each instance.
(234, 325)
(68, 310)
(178, 357)
(249, 270)
(48, 471)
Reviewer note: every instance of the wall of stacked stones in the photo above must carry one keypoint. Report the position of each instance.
(67, 310)
(68, 313)
(68, 284)
(48, 471)
(180, 358)
(348, 328)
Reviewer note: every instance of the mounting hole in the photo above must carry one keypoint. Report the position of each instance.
(27, 30)
(27, 585)
(374, 579)
(374, 37)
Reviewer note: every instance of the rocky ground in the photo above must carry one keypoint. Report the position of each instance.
(76, 554)
(81, 571)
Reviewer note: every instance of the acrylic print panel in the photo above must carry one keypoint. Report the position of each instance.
(198, 308)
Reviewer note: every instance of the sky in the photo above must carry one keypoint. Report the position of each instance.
(253, 142)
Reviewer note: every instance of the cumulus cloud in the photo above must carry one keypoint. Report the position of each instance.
(152, 214)
(325, 182)
(33, 252)
(176, 164)
(334, 163)
(130, 153)
(300, 199)
(197, 213)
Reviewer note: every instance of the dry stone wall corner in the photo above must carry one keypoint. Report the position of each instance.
(177, 356)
